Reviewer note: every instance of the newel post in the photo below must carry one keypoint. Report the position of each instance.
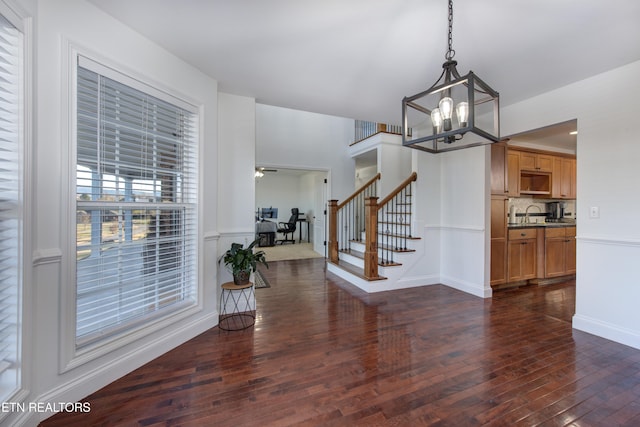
(333, 231)
(371, 235)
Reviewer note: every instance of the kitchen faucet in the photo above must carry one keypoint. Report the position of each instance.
(526, 212)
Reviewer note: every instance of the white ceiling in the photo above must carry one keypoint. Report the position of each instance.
(556, 137)
(359, 58)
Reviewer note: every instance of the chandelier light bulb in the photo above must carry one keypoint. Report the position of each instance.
(436, 120)
(446, 110)
(462, 111)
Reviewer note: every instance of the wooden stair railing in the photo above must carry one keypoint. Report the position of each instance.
(346, 220)
(386, 225)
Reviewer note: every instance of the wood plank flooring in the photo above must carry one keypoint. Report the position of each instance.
(323, 353)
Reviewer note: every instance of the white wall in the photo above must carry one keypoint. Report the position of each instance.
(608, 248)
(464, 217)
(284, 190)
(394, 164)
(236, 169)
(364, 174)
(300, 140)
(451, 209)
(392, 161)
(308, 183)
(236, 136)
(280, 191)
(60, 24)
(426, 221)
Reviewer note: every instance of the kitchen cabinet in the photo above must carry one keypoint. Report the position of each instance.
(521, 256)
(499, 206)
(564, 178)
(536, 162)
(560, 251)
(535, 183)
(499, 168)
(505, 170)
(513, 174)
(534, 173)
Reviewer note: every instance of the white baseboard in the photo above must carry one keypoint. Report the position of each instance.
(415, 281)
(471, 288)
(606, 330)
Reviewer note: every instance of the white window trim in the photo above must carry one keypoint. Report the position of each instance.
(70, 356)
(15, 14)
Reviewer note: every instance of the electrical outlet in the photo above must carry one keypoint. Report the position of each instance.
(594, 212)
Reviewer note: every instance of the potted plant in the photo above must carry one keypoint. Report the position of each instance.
(243, 261)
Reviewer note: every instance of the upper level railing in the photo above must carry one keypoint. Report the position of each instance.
(364, 129)
(386, 225)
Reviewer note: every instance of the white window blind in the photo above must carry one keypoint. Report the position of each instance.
(136, 203)
(11, 135)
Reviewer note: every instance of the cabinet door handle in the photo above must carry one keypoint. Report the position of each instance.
(523, 234)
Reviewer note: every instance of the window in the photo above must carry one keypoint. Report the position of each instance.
(136, 203)
(11, 236)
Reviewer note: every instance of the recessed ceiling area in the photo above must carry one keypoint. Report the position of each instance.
(557, 137)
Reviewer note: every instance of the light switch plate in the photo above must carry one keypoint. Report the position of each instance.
(594, 212)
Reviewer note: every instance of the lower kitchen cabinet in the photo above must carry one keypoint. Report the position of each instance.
(522, 256)
(560, 251)
(498, 240)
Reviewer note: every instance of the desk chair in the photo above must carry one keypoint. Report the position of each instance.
(289, 227)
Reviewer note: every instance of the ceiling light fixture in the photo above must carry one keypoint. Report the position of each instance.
(456, 112)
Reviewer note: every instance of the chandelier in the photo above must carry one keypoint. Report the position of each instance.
(456, 112)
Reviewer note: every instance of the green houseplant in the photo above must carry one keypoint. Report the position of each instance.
(242, 261)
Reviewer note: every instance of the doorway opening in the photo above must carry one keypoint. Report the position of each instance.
(278, 191)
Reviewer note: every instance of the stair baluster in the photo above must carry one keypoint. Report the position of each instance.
(386, 225)
(347, 219)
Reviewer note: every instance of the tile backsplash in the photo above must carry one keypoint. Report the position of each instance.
(537, 211)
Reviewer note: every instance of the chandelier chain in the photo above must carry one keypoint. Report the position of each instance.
(450, 52)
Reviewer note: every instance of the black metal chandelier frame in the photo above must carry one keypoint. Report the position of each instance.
(475, 93)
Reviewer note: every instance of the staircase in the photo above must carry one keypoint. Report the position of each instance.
(371, 243)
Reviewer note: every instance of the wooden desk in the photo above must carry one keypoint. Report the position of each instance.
(300, 221)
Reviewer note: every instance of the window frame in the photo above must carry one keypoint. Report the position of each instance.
(21, 20)
(74, 355)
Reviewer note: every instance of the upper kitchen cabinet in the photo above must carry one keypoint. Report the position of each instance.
(535, 162)
(505, 171)
(540, 174)
(498, 168)
(564, 178)
(513, 173)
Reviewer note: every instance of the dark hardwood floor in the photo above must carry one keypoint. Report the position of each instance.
(323, 353)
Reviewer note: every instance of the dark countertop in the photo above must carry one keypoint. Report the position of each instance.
(543, 224)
